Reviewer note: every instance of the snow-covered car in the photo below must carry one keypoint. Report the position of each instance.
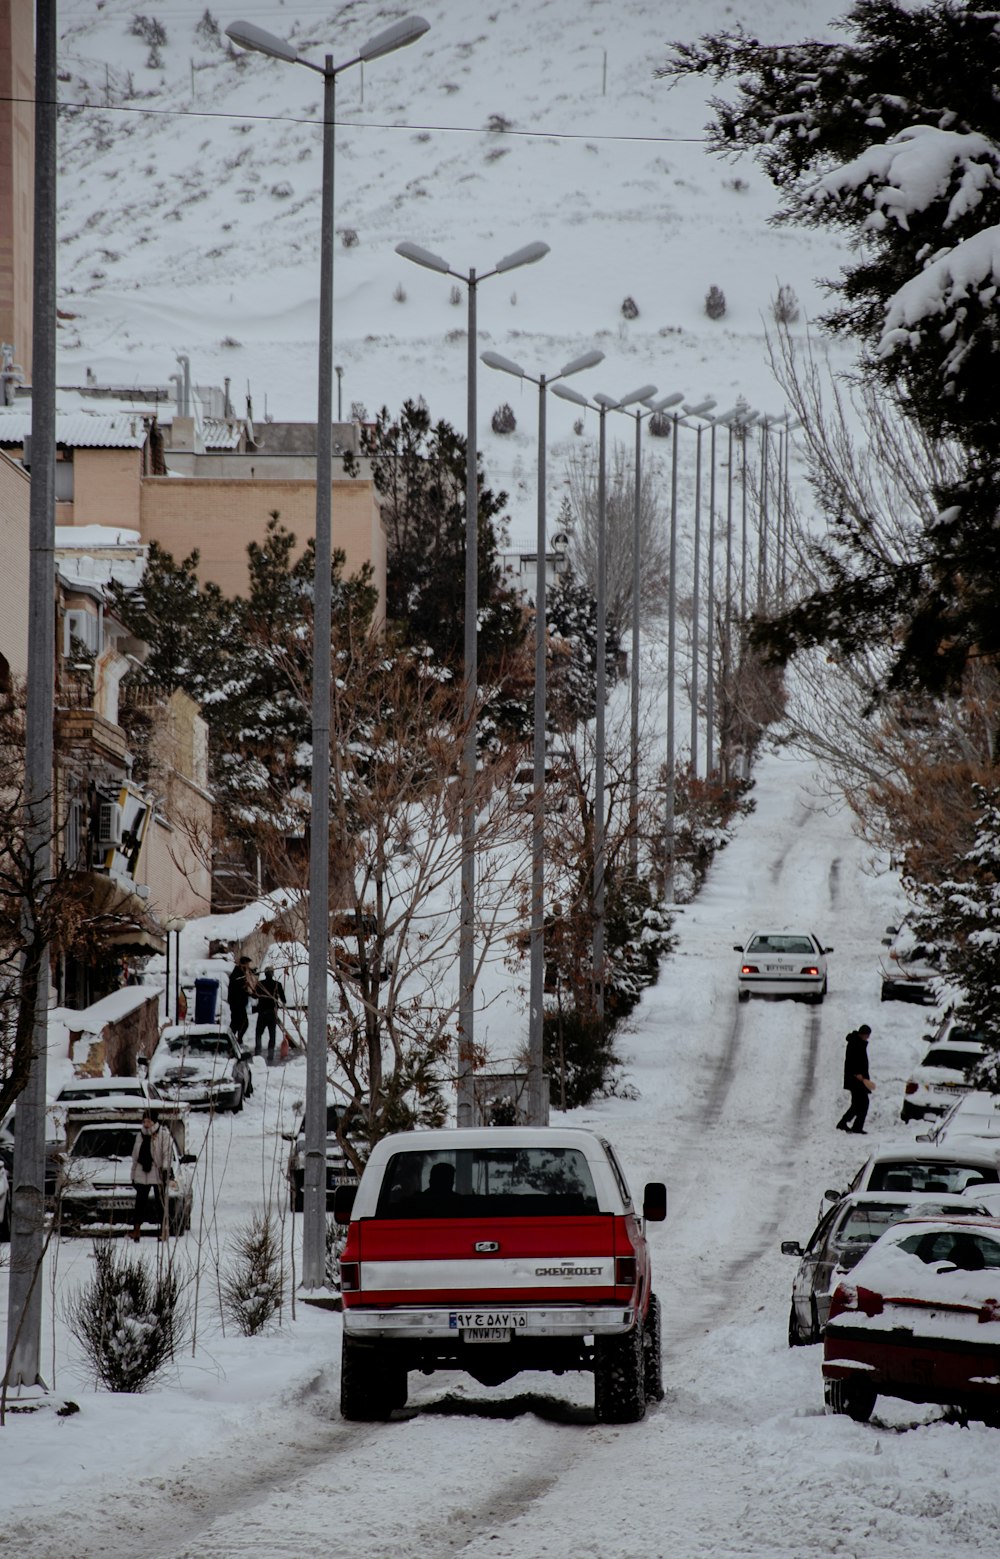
(925, 1169)
(840, 1239)
(974, 1118)
(494, 1250)
(919, 1319)
(202, 1065)
(933, 1086)
(94, 1093)
(339, 1168)
(95, 1182)
(906, 969)
(782, 963)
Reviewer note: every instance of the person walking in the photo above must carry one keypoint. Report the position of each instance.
(857, 1080)
(152, 1165)
(270, 996)
(238, 996)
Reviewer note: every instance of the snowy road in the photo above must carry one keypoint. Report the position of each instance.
(735, 1110)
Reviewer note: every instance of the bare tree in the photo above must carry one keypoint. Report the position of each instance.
(582, 477)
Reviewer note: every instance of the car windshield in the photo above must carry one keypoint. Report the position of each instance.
(863, 1225)
(105, 1142)
(967, 1249)
(949, 1176)
(782, 944)
(954, 1059)
(201, 1044)
(495, 1182)
(98, 1090)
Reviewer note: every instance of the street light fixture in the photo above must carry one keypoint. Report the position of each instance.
(723, 420)
(703, 412)
(249, 36)
(538, 1104)
(602, 404)
(766, 424)
(527, 255)
(652, 408)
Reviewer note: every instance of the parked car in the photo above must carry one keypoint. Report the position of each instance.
(842, 1236)
(927, 1170)
(974, 1118)
(782, 963)
(339, 1168)
(919, 1319)
(95, 1183)
(495, 1250)
(932, 1086)
(908, 973)
(202, 1065)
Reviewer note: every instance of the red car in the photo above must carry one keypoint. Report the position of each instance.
(495, 1250)
(919, 1319)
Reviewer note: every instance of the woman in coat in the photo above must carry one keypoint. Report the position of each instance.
(152, 1165)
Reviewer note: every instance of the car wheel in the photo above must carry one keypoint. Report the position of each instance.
(851, 1398)
(370, 1384)
(906, 1114)
(619, 1381)
(796, 1336)
(744, 995)
(652, 1351)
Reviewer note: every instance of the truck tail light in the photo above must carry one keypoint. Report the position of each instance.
(911, 1087)
(749, 969)
(350, 1276)
(625, 1271)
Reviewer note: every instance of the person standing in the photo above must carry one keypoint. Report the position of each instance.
(238, 997)
(270, 996)
(152, 1165)
(857, 1080)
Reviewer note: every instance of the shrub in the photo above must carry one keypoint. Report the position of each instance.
(660, 424)
(715, 302)
(252, 1285)
(128, 1320)
(630, 309)
(503, 419)
(399, 292)
(786, 306)
(149, 30)
(578, 426)
(208, 29)
(281, 190)
(498, 123)
(579, 1056)
(348, 237)
(455, 296)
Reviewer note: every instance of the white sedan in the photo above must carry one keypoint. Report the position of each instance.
(782, 963)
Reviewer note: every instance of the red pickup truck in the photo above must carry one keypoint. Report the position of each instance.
(492, 1251)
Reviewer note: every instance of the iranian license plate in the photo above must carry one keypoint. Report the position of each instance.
(486, 1334)
(505, 1321)
(775, 969)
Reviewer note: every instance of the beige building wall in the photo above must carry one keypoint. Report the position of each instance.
(17, 175)
(106, 488)
(220, 518)
(15, 491)
(175, 862)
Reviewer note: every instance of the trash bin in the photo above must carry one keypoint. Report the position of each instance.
(206, 996)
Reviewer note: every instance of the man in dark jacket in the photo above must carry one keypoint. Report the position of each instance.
(238, 997)
(856, 1079)
(270, 995)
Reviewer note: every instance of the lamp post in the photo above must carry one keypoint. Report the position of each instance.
(724, 419)
(249, 36)
(702, 412)
(467, 927)
(602, 404)
(660, 405)
(766, 424)
(538, 1103)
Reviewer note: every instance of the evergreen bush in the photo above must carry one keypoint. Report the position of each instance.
(503, 419)
(128, 1320)
(630, 309)
(252, 1285)
(715, 302)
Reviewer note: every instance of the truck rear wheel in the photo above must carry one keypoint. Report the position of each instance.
(370, 1385)
(652, 1351)
(619, 1378)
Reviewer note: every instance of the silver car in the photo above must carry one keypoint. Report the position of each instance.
(782, 963)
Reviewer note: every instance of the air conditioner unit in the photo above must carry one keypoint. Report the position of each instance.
(109, 825)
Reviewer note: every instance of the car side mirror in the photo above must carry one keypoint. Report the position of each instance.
(142, 1063)
(832, 1196)
(887, 941)
(791, 1248)
(892, 930)
(343, 1203)
(829, 949)
(654, 1201)
(189, 1158)
(737, 948)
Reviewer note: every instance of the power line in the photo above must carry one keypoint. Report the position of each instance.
(372, 124)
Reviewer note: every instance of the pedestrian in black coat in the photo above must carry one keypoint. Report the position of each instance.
(857, 1080)
(238, 996)
(270, 996)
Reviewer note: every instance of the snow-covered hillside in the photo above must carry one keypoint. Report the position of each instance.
(189, 208)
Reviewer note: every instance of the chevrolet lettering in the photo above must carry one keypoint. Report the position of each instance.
(568, 1285)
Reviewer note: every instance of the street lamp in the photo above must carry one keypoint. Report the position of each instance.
(538, 1104)
(602, 404)
(467, 930)
(249, 36)
(766, 424)
(724, 419)
(702, 411)
(633, 783)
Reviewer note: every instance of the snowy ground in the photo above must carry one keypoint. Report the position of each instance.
(241, 1451)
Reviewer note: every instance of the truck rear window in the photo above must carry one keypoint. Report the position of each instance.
(487, 1182)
